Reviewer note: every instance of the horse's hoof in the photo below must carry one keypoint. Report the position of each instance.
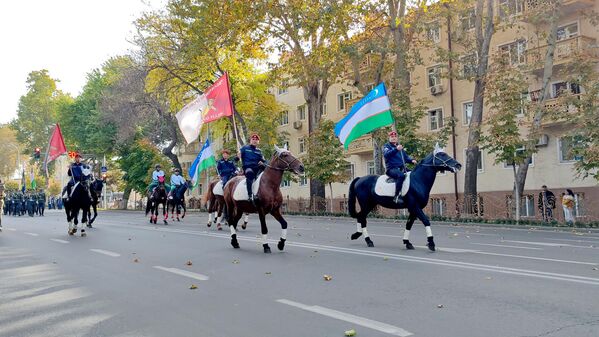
(356, 235)
(219, 227)
(244, 226)
(89, 226)
(178, 219)
(234, 241)
(431, 246)
(71, 232)
(83, 233)
(183, 216)
(369, 242)
(209, 224)
(266, 248)
(165, 222)
(281, 244)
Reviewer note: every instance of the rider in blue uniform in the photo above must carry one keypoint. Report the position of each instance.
(226, 168)
(252, 162)
(396, 159)
(76, 174)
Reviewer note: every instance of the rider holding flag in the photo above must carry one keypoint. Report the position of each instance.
(253, 161)
(395, 162)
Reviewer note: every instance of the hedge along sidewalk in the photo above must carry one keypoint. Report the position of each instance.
(470, 222)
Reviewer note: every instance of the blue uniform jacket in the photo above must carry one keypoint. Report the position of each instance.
(226, 168)
(393, 157)
(250, 156)
(76, 171)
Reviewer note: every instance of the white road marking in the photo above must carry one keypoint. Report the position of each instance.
(548, 244)
(574, 240)
(11, 229)
(105, 252)
(538, 258)
(184, 273)
(506, 246)
(59, 240)
(451, 250)
(353, 319)
(448, 263)
(31, 234)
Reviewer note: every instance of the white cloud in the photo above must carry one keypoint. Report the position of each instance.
(67, 37)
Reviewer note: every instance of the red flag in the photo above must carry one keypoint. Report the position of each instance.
(56, 147)
(219, 101)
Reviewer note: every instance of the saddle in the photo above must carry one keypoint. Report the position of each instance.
(385, 186)
(218, 189)
(240, 193)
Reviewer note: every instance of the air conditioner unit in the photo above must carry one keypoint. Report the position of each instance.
(436, 90)
(297, 124)
(543, 140)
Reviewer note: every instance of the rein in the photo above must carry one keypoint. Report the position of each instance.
(443, 162)
(288, 168)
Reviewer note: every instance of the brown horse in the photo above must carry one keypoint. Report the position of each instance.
(269, 197)
(215, 203)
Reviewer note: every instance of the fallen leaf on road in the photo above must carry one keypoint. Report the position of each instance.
(299, 234)
(455, 234)
(129, 239)
(136, 260)
(193, 286)
(327, 277)
(235, 261)
(385, 258)
(350, 333)
(189, 263)
(488, 278)
(268, 273)
(594, 268)
(440, 306)
(315, 251)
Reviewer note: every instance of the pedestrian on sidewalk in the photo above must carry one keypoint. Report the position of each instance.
(546, 204)
(568, 202)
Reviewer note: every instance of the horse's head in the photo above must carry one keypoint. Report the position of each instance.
(284, 160)
(441, 161)
(97, 187)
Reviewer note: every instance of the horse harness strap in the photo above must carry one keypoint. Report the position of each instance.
(285, 162)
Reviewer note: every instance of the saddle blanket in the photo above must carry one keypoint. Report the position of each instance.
(385, 186)
(218, 189)
(241, 193)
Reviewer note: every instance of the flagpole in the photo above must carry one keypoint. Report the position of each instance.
(208, 169)
(233, 111)
(46, 157)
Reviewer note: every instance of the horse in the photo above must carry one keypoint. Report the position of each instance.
(269, 198)
(177, 201)
(216, 205)
(369, 194)
(96, 192)
(155, 198)
(79, 200)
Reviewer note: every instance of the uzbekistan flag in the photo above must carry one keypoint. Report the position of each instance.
(370, 113)
(204, 160)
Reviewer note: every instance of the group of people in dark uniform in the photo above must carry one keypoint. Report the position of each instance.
(17, 203)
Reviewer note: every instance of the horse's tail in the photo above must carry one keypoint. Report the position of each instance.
(209, 195)
(148, 206)
(351, 203)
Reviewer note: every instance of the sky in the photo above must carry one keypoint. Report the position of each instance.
(69, 38)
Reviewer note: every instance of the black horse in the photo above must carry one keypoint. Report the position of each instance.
(96, 193)
(176, 201)
(79, 200)
(157, 197)
(415, 200)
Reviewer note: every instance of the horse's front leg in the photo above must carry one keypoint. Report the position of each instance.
(184, 209)
(406, 232)
(84, 216)
(264, 229)
(427, 226)
(277, 215)
(245, 220)
(165, 213)
(233, 220)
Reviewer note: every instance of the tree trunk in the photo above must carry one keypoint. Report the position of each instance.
(540, 109)
(315, 95)
(331, 190)
(517, 194)
(483, 41)
(126, 195)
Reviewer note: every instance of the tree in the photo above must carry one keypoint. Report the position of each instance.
(325, 159)
(9, 150)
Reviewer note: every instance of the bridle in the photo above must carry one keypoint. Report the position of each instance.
(287, 168)
(442, 164)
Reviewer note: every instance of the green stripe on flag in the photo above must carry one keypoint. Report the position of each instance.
(367, 125)
(206, 163)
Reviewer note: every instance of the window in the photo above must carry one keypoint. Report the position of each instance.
(467, 19)
(508, 8)
(525, 98)
(301, 144)
(284, 118)
(527, 206)
(301, 112)
(434, 76)
(435, 119)
(560, 88)
(370, 167)
(350, 168)
(303, 181)
(370, 87)
(286, 182)
(515, 52)
(433, 33)
(439, 206)
(286, 144)
(519, 153)
(283, 88)
(342, 98)
(566, 149)
(469, 65)
(568, 31)
(323, 109)
(479, 166)
(466, 112)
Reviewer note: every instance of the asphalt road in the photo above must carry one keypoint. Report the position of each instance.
(131, 278)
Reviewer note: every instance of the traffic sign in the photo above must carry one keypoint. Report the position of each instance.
(103, 169)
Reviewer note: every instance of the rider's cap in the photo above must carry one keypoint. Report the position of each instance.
(78, 155)
(177, 170)
(226, 151)
(255, 136)
(157, 166)
(393, 134)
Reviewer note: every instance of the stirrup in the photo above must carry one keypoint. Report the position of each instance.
(398, 199)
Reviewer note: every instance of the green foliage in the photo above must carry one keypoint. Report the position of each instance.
(325, 159)
(9, 147)
(137, 161)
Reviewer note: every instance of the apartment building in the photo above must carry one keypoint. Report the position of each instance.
(552, 165)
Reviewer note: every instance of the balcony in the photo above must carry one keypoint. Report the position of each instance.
(566, 51)
(558, 109)
(568, 6)
(360, 145)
